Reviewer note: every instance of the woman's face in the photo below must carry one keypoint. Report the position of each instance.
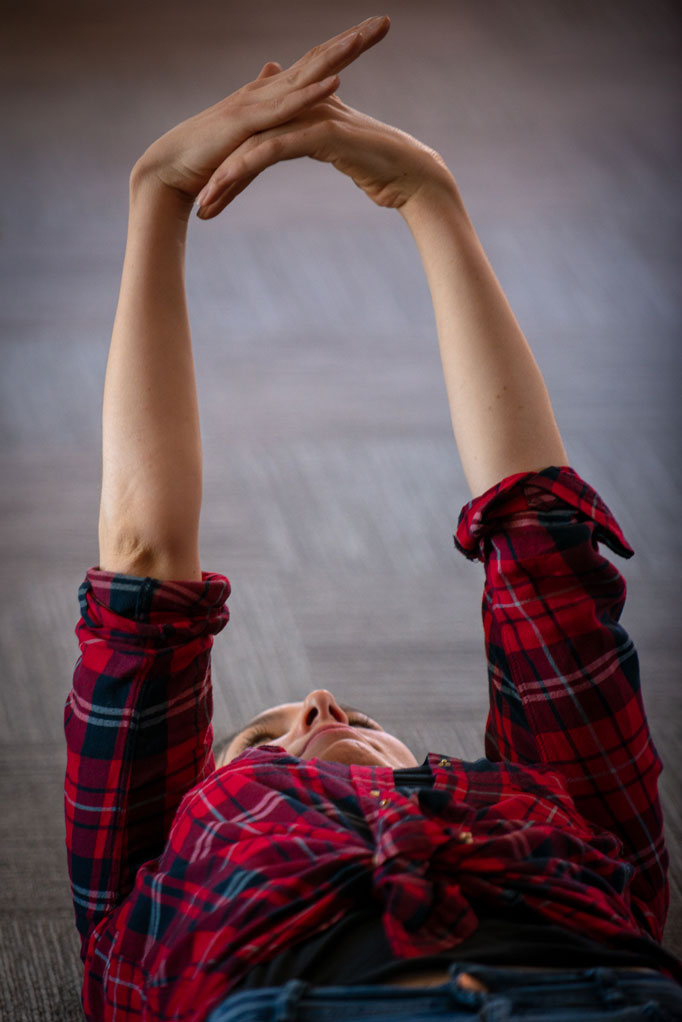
(321, 728)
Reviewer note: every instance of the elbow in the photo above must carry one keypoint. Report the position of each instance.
(123, 552)
(127, 552)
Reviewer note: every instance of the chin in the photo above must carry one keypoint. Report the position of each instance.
(351, 752)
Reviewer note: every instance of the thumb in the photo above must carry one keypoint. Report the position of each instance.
(269, 69)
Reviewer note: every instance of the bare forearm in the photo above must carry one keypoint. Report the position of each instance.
(500, 409)
(151, 481)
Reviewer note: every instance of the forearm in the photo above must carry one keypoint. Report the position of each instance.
(500, 409)
(151, 450)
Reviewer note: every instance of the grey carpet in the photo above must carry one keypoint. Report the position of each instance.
(332, 485)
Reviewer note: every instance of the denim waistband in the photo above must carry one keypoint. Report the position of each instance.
(568, 995)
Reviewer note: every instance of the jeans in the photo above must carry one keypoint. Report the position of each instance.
(579, 995)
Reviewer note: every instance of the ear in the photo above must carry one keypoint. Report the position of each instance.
(269, 69)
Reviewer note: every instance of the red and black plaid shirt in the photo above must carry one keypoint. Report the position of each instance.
(185, 877)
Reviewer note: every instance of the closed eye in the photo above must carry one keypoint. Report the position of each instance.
(260, 736)
(364, 723)
(257, 738)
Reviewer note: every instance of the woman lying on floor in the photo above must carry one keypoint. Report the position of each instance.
(316, 870)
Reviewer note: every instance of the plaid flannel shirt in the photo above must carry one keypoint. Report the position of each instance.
(184, 876)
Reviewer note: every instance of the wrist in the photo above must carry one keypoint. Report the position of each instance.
(148, 194)
(437, 190)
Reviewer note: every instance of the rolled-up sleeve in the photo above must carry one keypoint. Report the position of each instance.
(563, 673)
(138, 726)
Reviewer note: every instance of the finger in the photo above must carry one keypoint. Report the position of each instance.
(216, 207)
(262, 116)
(285, 106)
(246, 163)
(367, 29)
(338, 52)
(269, 69)
(335, 54)
(345, 49)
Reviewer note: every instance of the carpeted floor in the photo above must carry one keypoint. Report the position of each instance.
(332, 485)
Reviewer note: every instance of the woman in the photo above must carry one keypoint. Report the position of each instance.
(316, 865)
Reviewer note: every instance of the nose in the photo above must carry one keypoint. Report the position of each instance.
(320, 707)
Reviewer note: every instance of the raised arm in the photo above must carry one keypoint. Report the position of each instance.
(500, 409)
(152, 478)
(151, 442)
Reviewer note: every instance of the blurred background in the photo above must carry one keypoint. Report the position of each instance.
(332, 483)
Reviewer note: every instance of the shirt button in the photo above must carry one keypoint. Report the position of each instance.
(385, 802)
(444, 762)
(375, 792)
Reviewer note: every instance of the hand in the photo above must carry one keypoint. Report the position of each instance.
(185, 157)
(389, 165)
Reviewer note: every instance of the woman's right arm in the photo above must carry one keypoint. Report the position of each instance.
(500, 409)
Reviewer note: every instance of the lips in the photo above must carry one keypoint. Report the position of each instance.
(323, 730)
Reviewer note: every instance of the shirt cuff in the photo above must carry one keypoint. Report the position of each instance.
(152, 606)
(540, 492)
